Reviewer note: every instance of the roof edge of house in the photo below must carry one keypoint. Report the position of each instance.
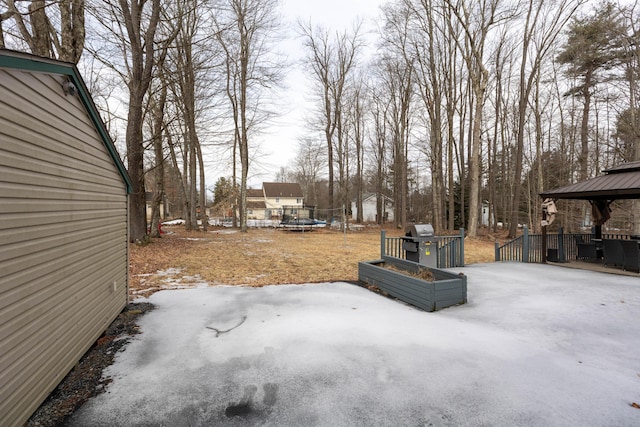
(25, 61)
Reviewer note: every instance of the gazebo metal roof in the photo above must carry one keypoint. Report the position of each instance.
(619, 182)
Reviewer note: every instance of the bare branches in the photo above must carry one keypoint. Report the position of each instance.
(36, 27)
(332, 61)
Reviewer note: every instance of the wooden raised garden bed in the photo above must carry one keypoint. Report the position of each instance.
(398, 278)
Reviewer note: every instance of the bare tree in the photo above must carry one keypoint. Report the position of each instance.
(245, 29)
(379, 111)
(35, 26)
(308, 165)
(356, 115)
(476, 24)
(397, 80)
(140, 19)
(188, 65)
(427, 46)
(543, 22)
(398, 71)
(331, 60)
(157, 120)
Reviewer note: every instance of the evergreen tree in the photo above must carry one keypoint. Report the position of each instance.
(593, 48)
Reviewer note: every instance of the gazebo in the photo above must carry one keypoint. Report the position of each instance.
(619, 182)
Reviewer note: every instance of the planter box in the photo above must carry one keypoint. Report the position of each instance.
(446, 290)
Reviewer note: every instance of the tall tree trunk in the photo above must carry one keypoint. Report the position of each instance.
(193, 187)
(475, 162)
(140, 68)
(135, 163)
(203, 189)
(583, 158)
(158, 171)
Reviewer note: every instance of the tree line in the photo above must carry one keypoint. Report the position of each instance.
(462, 104)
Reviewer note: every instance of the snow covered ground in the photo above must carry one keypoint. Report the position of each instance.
(535, 346)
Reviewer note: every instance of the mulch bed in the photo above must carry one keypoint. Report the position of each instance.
(85, 380)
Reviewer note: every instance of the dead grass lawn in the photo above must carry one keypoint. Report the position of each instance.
(261, 257)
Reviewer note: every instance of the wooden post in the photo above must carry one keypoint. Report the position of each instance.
(461, 248)
(561, 257)
(525, 245)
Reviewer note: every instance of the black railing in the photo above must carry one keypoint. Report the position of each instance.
(561, 246)
(450, 249)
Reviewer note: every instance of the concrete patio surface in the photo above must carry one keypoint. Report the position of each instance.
(536, 345)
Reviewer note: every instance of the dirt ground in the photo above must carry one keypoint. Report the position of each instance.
(183, 259)
(262, 257)
(86, 380)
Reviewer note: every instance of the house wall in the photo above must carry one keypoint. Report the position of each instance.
(149, 211)
(279, 202)
(255, 212)
(369, 210)
(63, 238)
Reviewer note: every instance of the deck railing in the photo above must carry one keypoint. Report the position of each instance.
(450, 249)
(561, 246)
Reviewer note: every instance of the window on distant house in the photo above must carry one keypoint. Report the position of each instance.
(277, 199)
(298, 201)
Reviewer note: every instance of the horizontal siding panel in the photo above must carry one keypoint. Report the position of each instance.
(15, 205)
(16, 168)
(33, 233)
(43, 288)
(88, 286)
(62, 251)
(36, 136)
(25, 154)
(35, 102)
(32, 144)
(81, 192)
(8, 190)
(42, 222)
(51, 355)
(63, 238)
(49, 371)
(43, 307)
(44, 90)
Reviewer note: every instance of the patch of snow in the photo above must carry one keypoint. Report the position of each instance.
(169, 271)
(534, 345)
(224, 231)
(174, 222)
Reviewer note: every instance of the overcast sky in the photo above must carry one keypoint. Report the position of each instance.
(280, 143)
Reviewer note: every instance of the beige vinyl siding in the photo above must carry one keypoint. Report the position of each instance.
(63, 238)
(282, 201)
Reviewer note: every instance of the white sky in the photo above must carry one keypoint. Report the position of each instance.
(280, 143)
(536, 345)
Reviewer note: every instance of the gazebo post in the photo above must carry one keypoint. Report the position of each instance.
(598, 231)
(544, 244)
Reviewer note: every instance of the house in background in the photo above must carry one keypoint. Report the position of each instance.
(164, 206)
(63, 229)
(279, 194)
(369, 209)
(256, 205)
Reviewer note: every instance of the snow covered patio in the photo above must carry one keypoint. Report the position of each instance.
(535, 345)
